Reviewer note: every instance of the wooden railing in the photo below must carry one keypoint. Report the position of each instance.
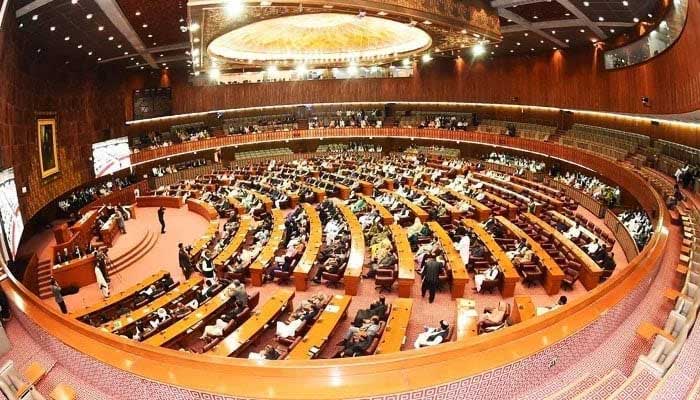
(121, 196)
(623, 236)
(582, 198)
(189, 173)
(386, 373)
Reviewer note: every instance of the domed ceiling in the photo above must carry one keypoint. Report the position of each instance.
(327, 38)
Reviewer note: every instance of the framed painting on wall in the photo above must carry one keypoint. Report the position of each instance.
(48, 153)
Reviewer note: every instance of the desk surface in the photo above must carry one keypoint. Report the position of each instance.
(523, 309)
(273, 243)
(494, 248)
(481, 209)
(117, 297)
(415, 209)
(395, 331)
(181, 326)
(384, 214)
(236, 242)
(322, 330)
(404, 253)
(452, 256)
(204, 240)
(356, 259)
(467, 319)
(551, 267)
(161, 301)
(581, 256)
(258, 321)
(569, 222)
(308, 259)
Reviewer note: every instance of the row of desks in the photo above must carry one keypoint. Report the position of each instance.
(460, 277)
(203, 242)
(590, 272)
(395, 332)
(245, 334)
(139, 313)
(268, 251)
(481, 212)
(203, 208)
(356, 258)
(407, 274)
(317, 337)
(160, 201)
(417, 211)
(236, 242)
(386, 217)
(510, 275)
(308, 259)
(553, 274)
(555, 202)
(119, 297)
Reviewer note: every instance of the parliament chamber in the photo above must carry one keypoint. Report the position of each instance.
(405, 199)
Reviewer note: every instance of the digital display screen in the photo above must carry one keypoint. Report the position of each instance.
(111, 156)
(12, 223)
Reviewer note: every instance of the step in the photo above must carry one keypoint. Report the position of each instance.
(604, 387)
(122, 262)
(574, 388)
(695, 392)
(637, 387)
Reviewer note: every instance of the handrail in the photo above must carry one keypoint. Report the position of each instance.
(381, 374)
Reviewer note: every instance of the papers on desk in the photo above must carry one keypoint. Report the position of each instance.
(471, 313)
(332, 308)
(313, 351)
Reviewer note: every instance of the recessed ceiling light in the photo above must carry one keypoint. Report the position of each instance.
(126, 53)
(492, 53)
(150, 35)
(100, 28)
(38, 50)
(80, 46)
(517, 43)
(155, 44)
(119, 46)
(635, 19)
(89, 16)
(582, 30)
(137, 13)
(612, 30)
(131, 59)
(554, 32)
(650, 16)
(567, 40)
(526, 34)
(74, 1)
(89, 53)
(586, 4)
(144, 26)
(99, 58)
(535, 17)
(196, 40)
(567, 14)
(531, 49)
(194, 27)
(601, 19)
(53, 28)
(497, 46)
(110, 38)
(542, 41)
(182, 20)
(67, 38)
(554, 48)
(511, 51)
(164, 64)
(35, 17)
(160, 55)
(21, 25)
(141, 67)
(625, 3)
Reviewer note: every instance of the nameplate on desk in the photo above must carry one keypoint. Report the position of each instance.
(314, 350)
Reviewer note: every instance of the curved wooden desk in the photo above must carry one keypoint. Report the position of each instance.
(510, 274)
(384, 214)
(384, 373)
(460, 277)
(308, 259)
(235, 243)
(356, 259)
(407, 274)
(481, 212)
(268, 251)
(553, 274)
(396, 325)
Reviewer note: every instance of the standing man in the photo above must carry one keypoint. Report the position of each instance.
(56, 290)
(161, 219)
(431, 278)
(184, 259)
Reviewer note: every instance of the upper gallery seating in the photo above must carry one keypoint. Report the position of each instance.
(529, 131)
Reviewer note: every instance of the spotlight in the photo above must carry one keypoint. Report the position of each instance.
(426, 58)
(301, 69)
(352, 70)
(271, 69)
(406, 62)
(478, 50)
(194, 27)
(234, 8)
(214, 74)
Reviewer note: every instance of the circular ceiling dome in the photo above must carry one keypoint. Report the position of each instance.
(326, 38)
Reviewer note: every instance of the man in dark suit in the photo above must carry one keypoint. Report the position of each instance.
(184, 260)
(161, 219)
(431, 278)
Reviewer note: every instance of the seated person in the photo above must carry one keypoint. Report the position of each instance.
(369, 327)
(356, 345)
(492, 316)
(332, 265)
(268, 353)
(561, 302)
(489, 275)
(181, 310)
(378, 308)
(519, 249)
(433, 336)
(295, 321)
(574, 232)
(526, 257)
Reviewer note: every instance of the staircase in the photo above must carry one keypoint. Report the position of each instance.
(602, 388)
(572, 389)
(637, 387)
(118, 264)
